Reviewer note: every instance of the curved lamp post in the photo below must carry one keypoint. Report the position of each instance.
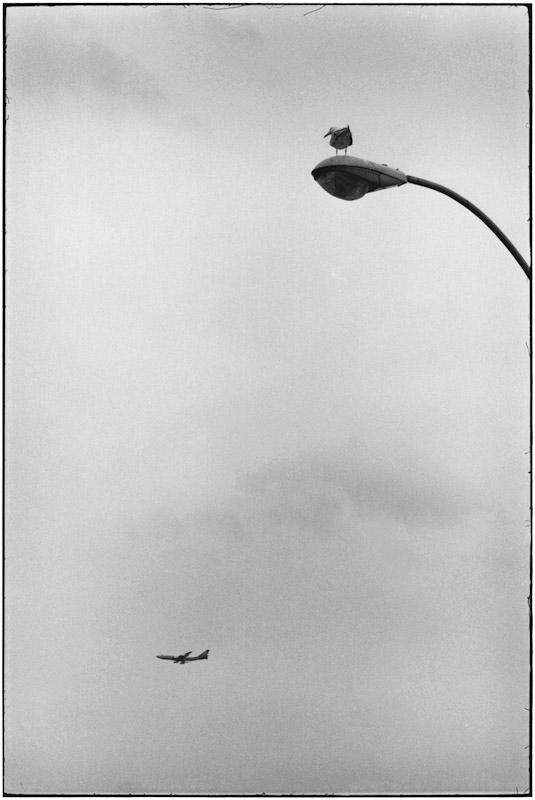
(350, 178)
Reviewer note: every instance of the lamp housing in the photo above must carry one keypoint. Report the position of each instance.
(350, 178)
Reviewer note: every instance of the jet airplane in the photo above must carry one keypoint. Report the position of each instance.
(185, 657)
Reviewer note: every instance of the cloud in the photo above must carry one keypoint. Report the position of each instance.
(243, 33)
(45, 64)
(231, 26)
(75, 72)
(310, 492)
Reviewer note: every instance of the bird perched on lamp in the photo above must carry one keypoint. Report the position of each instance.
(340, 139)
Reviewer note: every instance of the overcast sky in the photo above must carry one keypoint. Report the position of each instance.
(244, 415)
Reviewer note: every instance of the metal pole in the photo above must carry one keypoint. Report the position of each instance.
(477, 211)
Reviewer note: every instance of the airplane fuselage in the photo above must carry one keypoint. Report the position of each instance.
(194, 658)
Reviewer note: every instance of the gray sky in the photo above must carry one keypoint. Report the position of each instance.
(246, 416)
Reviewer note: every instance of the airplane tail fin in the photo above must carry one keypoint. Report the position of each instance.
(205, 654)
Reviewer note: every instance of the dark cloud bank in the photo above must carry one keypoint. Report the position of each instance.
(309, 492)
(46, 64)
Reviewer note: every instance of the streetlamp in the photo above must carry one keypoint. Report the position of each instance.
(350, 178)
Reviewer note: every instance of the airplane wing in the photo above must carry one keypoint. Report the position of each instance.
(183, 657)
(168, 658)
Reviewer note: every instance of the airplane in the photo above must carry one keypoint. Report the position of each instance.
(184, 657)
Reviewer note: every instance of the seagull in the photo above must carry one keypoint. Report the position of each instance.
(340, 139)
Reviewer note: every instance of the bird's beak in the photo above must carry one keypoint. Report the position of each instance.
(327, 134)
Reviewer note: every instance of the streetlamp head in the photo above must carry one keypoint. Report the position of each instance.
(350, 178)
